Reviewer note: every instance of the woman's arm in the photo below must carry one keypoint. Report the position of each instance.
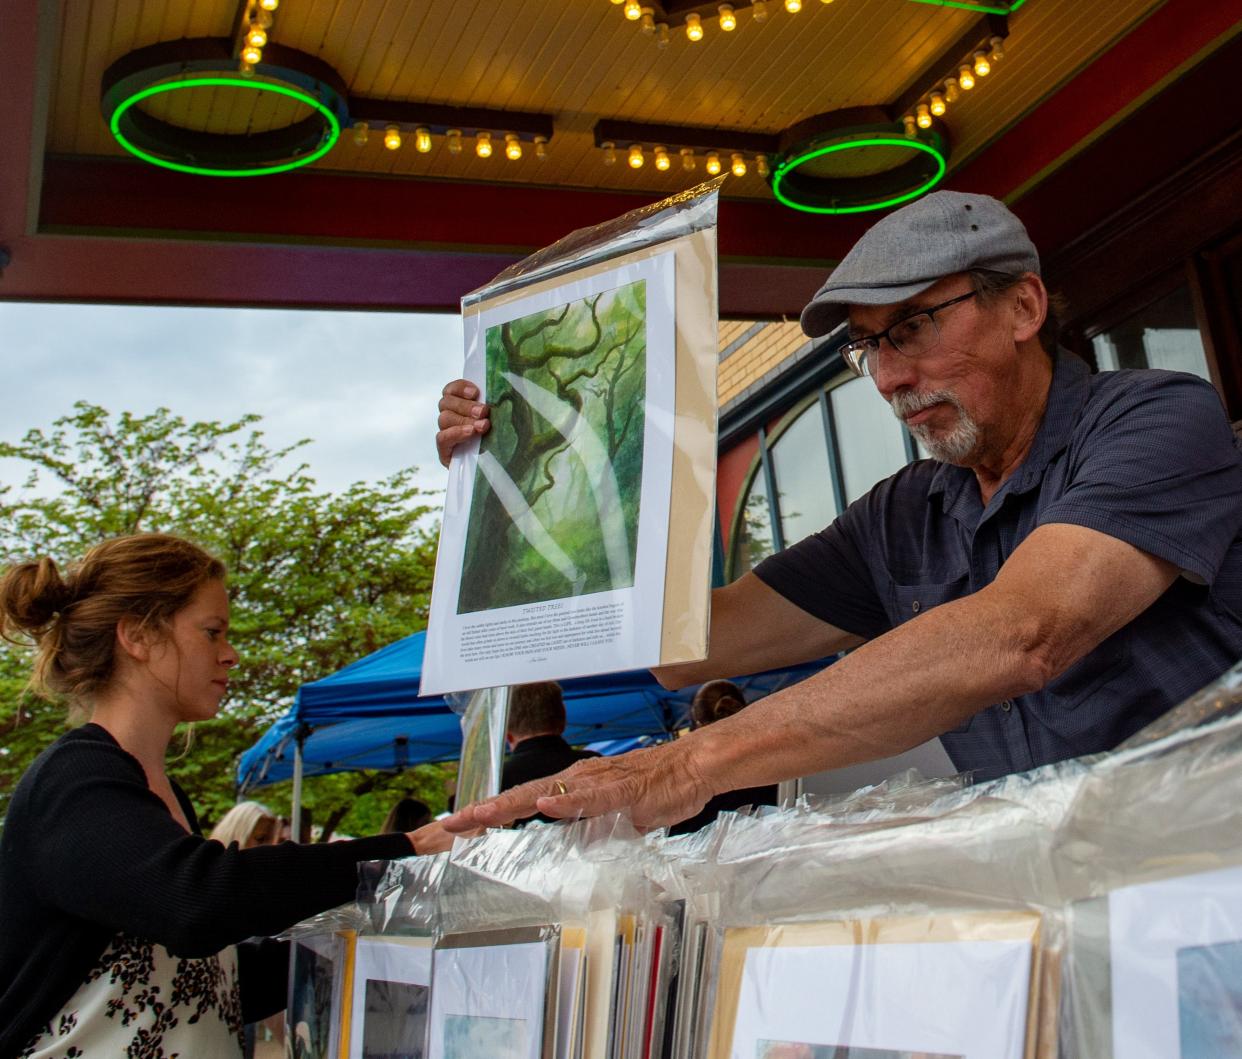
(100, 845)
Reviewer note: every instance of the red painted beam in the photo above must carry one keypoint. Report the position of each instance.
(1171, 36)
(81, 194)
(1171, 131)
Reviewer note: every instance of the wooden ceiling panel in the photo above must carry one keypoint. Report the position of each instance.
(580, 61)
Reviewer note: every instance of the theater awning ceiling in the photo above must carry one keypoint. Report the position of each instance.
(1086, 105)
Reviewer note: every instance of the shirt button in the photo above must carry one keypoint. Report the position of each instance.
(915, 606)
(1007, 705)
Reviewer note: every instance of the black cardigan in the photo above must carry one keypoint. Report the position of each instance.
(89, 851)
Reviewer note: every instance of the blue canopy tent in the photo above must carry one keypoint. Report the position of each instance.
(369, 716)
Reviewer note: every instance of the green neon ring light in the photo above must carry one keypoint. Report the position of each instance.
(787, 167)
(332, 129)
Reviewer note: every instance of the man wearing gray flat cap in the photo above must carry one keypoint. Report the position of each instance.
(1066, 568)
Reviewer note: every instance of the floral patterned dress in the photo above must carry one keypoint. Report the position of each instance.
(141, 1002)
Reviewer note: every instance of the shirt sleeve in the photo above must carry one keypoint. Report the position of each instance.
(826, 575)
(103, 847)
(1158, 468)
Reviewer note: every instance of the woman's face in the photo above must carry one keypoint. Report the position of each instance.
(193, 661)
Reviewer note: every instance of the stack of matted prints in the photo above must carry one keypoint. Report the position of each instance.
(1091, 910)
(1150, 858)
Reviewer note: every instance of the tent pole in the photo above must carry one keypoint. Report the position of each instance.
(295, 824)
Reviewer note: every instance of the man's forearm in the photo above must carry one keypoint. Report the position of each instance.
(893, 693)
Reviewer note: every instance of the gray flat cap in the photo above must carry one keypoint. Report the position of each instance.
(906, 252)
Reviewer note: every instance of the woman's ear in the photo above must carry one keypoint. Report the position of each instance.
(134, 639)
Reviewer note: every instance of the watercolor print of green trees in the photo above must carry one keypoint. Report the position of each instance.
(556, 494)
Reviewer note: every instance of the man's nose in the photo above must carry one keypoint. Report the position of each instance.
(891, 370)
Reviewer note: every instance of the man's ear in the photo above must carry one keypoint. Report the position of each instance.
(133, 639)
(1030, 307)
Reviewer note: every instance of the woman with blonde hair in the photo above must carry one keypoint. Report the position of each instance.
(249, 824)
(119, 923)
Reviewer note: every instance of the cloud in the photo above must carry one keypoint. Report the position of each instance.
(363, 386)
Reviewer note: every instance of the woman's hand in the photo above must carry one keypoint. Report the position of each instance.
(658, 786)
(430, 838)
(462, 417)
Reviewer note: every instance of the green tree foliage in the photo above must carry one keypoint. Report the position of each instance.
(589, 356)
(316, 579)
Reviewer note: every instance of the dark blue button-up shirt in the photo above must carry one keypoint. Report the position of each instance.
(1147, 457)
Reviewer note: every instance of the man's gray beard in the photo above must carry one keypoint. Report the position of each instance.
(954, 447)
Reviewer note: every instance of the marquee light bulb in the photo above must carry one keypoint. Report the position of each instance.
(924, 118)
(982, 66)
(728, 20)
(737, 165)
(694, 27)
(761, 165)
(252, 55)
(937, 104)
(269, 5)
(636, 156)
(661, 159)
(662, 35)
(998, 49)
(633, 10)
(541, 148)
(966, 78)
(687, 159)
(610, 153)
(453, 140)
(392, 138)
(483, 145)
(713, 163)
(513, 146)
(361, 132)
(648, 21)
(422, 140)
(793, 6)
(759, 11)
(257, 37)
(951, 91)
(910, 128)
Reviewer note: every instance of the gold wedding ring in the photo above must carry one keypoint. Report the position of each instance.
(561, 788)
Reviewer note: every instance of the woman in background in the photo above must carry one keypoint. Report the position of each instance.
(249, 824)
(714, 701)
(119, 923)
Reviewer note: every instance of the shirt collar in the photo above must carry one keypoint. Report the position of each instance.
(1071, 386)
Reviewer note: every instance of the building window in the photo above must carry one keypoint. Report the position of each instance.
(752, 536)
(871, 440)
(805, 498)
(1164, 334)
(825, 455)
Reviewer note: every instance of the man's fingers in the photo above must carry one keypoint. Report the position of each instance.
(448, 440)
(454, 409)
(461, 388)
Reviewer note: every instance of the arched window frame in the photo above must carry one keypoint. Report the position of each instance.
(762, 464)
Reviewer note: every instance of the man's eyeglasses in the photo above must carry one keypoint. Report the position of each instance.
(911, 336)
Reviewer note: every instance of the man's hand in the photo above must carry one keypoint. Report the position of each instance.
(658, 785)
(462, 417)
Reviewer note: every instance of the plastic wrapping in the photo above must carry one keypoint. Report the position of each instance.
(598, 357)
(928, 916)
(1220, 699)
(320, 979)
(1150, 860)
(689, 211)
(484, 719)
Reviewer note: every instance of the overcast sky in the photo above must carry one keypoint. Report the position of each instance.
(364, 386)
